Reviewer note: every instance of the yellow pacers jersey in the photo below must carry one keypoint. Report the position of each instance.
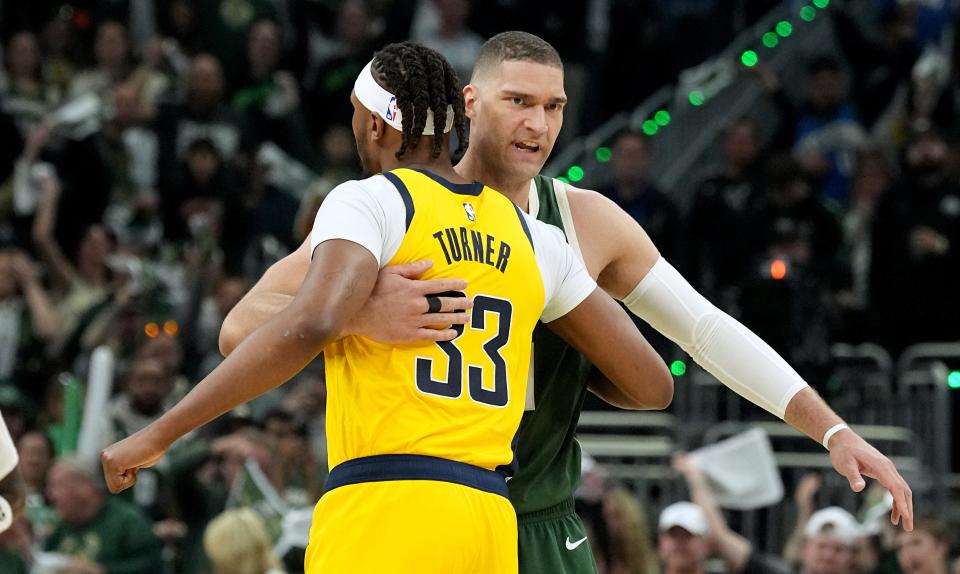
(460, 400)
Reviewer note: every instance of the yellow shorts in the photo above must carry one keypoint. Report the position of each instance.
(418, 526)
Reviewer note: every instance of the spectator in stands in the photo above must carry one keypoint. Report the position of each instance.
(336, 63)
(26, 96)
(80, 283)
(102, 535)
(36, 458)
(916, 259)
(873, 180)
(682, 544)
(824, 132)
(298, 475)
(194, 208)
(269, 96)
(689, 532)
(926, 549)
(16, 548)
(628, 545)
(115, 65)
(204, 115)
(144, 398)
(452, 37)
(794, 240)
(28, 319)
(636, 193)
(237, 543)
(828, 539)
(717, 229)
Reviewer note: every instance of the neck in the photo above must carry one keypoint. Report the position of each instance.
(474, 168)
(422, 157)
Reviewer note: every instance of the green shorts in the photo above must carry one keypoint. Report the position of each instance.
(553, 541)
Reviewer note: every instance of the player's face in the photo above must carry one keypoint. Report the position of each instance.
(361, 127)
(516, 113)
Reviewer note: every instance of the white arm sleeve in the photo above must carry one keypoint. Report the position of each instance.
(8, 451)
(369, 213)
(566, 282)
(718, 342)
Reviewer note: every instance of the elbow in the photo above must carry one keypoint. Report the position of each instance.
(229, 337)
(659, 389)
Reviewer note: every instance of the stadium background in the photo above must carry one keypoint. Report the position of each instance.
(798, 161)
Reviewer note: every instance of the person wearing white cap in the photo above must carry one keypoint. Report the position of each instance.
(682, 543)
(736, 552)
(829, 536)
(12, 488)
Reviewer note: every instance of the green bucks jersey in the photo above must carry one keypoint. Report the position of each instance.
(547, 451)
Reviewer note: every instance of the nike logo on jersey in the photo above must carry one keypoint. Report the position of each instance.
(573, 545)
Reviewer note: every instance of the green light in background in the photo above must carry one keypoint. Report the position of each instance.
(604, 154)
(784, 28)
(821, 4)
(749, 58)
(575, 173)
(563, 179)
(953, 380)
(808, 13)
(770, 40)
(662, 117)
(650, 127)
(696, 98)
(678, 368)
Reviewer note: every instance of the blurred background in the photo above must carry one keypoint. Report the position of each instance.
(799, 162)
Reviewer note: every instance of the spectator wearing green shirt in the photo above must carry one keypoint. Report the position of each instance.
(102, 535)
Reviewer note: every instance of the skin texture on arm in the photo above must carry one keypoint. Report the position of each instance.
(619, 253)
(340, 279)
(606, 335)
(395, 312)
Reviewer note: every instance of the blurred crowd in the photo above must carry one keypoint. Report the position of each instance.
(157, 155)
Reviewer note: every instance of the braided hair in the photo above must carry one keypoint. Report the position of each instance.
(421, 79)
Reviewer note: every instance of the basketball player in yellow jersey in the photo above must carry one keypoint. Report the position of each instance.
(420, 436)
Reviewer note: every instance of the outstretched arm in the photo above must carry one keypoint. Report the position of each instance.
(630, 268)
(340, 279)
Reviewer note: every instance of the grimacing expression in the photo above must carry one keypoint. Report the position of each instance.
(516, 112)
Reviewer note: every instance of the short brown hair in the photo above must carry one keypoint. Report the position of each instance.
(515, 45)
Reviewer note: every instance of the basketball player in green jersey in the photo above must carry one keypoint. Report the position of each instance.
(515, 104)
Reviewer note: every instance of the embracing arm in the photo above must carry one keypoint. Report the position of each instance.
(339, 281)
(600, 329)
(271, 295)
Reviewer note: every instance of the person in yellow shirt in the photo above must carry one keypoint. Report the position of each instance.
(421, 435)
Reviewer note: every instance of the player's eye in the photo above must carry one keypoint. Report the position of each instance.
(516, 100)
(554, 107)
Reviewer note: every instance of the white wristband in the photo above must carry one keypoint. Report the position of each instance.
(830, 432)
(6, 514)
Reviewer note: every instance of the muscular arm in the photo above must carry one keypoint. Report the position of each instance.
(271, 295)
(600, 329)
(627, 265)
(340, 279)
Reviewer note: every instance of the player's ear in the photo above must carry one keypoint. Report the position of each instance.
(471, 99)
(377, 127)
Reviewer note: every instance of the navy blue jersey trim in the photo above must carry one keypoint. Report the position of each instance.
(404, 193)
(385, 467)
(459, 188)
(526, 230)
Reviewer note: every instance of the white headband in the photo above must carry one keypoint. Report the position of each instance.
(384, 104)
